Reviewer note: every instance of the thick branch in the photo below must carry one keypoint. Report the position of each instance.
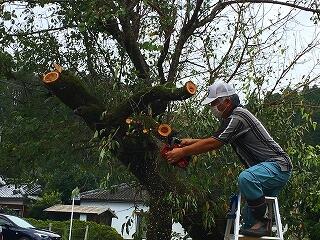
(69, 89)
(20, 34)
(127, 39)
(140, 101)
(167, 28)
(293, 5)
(186, 31)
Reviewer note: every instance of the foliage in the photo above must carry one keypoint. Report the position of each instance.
(47, 200)
(289, 122)
(301, 200)
(48, 145)
(96, 231)
(311, 102)
(314, 231)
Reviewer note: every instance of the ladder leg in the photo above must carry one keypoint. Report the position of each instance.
(278, 219)
(271, 211)
(233, 219)
(228, 229)
(237, 220)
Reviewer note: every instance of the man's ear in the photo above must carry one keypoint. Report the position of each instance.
(230, 102)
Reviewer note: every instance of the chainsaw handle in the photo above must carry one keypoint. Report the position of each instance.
(175, 141)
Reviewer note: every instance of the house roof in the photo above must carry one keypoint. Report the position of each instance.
(123, 193)
(80, 209)
(24, 190)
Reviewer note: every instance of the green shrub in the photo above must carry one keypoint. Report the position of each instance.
(96, 231)
(315, 232)
(47, 200)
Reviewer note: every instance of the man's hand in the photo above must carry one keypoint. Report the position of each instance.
(175, 155)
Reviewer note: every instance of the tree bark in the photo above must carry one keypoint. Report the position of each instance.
(160, 221)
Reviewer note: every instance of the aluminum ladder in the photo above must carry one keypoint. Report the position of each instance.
(235, 215)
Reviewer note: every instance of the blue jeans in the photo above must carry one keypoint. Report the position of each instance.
(263, 179)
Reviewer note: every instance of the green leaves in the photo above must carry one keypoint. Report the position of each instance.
(150, 46)
(6, 16)
(75, 192)
(43, 141)
(108, 147)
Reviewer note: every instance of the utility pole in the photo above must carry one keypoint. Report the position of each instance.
(75, 193)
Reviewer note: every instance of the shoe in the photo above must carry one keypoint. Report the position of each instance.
(264, 230)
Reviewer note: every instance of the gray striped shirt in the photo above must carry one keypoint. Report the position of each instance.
(250, 140)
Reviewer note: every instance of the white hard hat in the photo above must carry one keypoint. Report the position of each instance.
(217, 90)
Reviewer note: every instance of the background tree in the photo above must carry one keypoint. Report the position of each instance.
(125, 59)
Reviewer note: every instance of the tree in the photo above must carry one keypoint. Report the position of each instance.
(124, 61)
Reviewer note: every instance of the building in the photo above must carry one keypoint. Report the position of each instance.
(128, 204)
(14, 198)
(101, 215)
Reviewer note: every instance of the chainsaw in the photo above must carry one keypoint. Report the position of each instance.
(171, 143)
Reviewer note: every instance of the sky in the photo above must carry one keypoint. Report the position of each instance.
(299, 32)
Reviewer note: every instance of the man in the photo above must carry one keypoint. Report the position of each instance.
(268, 167)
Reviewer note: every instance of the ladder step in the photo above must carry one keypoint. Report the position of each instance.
(272, 214)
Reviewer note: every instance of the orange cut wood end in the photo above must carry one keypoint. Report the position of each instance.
(51, 77)
(164, 130)
(191, 87)
(57, 67)
(129, 120)
(145, 131)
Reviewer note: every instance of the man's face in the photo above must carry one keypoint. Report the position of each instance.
(223, 106)
(220, 103)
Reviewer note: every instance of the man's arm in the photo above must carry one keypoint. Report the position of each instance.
(200, 146)
(189, 141)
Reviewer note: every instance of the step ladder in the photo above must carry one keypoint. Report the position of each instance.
(234, 220)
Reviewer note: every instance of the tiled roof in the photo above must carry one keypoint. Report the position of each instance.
(123, 193)
(79, 209)
(11, 191)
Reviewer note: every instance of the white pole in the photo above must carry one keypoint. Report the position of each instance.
(71, 218)
(86, 233)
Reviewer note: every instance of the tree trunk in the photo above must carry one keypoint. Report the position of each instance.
(159, 220)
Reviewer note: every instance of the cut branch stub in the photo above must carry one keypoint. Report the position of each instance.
(191, 87)
(51, 77)
(54, 75)
(164, 130)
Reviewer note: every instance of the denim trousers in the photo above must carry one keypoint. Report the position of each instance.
(263, 179)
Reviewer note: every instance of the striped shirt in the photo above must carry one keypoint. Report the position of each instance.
(250, 140)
